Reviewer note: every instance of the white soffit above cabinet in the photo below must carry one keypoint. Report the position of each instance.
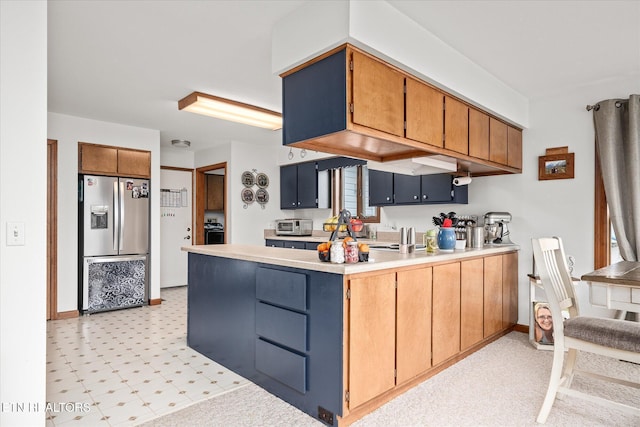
(317, 27)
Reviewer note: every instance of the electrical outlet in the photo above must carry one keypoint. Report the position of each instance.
(325, 415)
(15, 233)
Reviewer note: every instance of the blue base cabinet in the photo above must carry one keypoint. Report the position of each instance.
(279, 327)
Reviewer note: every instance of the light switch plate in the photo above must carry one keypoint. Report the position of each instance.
(15, 233)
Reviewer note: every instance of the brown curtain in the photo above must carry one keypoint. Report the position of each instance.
(617, 127)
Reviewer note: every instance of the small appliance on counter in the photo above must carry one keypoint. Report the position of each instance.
(294, 227)
(495, 228)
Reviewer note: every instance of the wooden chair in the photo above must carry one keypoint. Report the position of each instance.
(618, 339)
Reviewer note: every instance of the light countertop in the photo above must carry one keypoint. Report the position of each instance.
(308, 260)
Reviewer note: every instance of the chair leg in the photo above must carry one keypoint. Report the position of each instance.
(554, 383)
(569, 365)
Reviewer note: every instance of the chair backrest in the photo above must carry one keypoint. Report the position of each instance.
(551, 263)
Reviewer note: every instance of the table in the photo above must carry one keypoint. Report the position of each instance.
(621, 285)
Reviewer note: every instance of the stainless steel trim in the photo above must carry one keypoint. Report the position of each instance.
(121, 207)
(116, 215)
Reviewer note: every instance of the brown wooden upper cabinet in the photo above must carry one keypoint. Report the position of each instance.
(456, 126)
(215, 192)
(505, 144)
(108, 160)
(350, 103)
(514, 148)
(378, 95)
(425, 113)
(497, 141)
(478, 134)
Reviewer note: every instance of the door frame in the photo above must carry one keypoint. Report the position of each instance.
(200, 201)
(52, 229)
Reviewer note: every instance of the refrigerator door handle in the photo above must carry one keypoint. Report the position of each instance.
(116, 216)
(121, 208)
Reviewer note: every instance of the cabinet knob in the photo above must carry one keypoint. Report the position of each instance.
(415, 197)
(293, 204)
(388, 198)
(424, 197)
(187, 238)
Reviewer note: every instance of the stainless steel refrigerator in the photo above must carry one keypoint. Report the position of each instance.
(113, 242)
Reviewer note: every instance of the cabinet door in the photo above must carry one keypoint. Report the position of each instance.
(436, 188)
(492, 295)
(425, 112)
(514, 147)
(289, 187)
(478, 134)
(378, 95)
(380, 188)
(406, 189)
(307, 185)
(293, 244)
(372, 313)
(314, 99)
(446, 312)
(471, 302)
(456, 126)
(98, 159)
(215, 192)
(509, 289)
(497, 141)
(134, 163)
(413, 323)
(274, 243)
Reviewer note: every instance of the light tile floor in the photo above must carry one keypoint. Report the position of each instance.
(122, 368)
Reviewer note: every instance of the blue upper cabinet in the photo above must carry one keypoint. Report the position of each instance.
(386, 188)
(315, 99)
(299, 186)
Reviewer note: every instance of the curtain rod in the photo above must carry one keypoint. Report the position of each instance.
(596, 107)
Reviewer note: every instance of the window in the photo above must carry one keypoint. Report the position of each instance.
(354, 194)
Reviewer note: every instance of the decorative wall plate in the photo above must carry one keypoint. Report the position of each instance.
(262, 180)
(247, 195)
(262, 196)
(248, 179)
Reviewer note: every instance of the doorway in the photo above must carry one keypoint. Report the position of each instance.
(52, 229)
(202, 210)
(176, 224)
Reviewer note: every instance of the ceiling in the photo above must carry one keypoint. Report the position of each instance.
(130, 62)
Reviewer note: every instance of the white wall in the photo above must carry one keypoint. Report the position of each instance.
(177, 157)
(245, 226)
(23, 179)
(68, 131)
(316, 27)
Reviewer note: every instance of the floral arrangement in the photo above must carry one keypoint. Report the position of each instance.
(445, 220)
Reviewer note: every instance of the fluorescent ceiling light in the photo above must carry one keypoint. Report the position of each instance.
(234, 111)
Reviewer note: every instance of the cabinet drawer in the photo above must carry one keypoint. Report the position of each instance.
(293, 244)
(282, 326)
(283, 288)
(283, 365)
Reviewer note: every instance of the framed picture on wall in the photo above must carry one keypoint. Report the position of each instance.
(557, 163)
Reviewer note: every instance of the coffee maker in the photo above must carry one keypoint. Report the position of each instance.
(496, 231)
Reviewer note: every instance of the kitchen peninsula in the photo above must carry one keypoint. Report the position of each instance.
(339, 340)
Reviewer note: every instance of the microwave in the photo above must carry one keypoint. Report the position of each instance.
(294, 227)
